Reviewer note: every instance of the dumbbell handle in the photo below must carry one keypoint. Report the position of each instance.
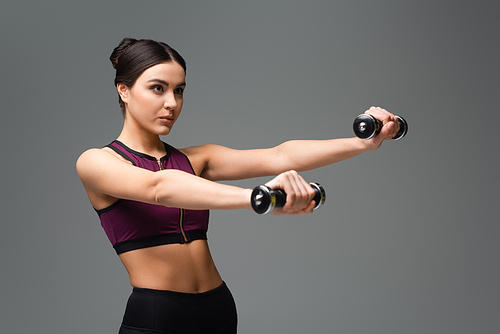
(366, 126)
(265, 199)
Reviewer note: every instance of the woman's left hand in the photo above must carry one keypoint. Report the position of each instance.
(390, 125)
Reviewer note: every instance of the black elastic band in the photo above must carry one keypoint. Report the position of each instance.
(158, 240)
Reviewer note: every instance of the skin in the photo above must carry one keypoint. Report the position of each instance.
(153, 105)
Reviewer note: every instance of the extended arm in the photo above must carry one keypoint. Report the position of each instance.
(222, 163)
(104, 175)
(106, 179)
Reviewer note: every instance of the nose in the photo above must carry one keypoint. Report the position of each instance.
(170, 102)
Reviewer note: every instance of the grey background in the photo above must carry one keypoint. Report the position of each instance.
(407, 242)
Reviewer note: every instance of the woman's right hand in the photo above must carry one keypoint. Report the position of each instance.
(299, 194)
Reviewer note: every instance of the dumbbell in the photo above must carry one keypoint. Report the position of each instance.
(366, 127)
(265, 199)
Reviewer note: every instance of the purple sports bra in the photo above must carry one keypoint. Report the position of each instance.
(132, 225)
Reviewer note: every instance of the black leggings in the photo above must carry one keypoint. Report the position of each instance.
(167, 312)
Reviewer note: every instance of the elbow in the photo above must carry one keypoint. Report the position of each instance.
(158, 198)
(159, 194)
(165, 187)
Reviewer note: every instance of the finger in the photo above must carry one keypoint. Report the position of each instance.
(281, 212)
(310, 207)
(387, 132)
(299, 192)
(309, 194)
(292, 191)
(274, 183)
(308, 210)
(393, 129)
(304, 193)
(283, 181)
(381, 114)
(385, 117)
(291, 186)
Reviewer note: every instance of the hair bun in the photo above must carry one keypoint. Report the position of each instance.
(120, 50)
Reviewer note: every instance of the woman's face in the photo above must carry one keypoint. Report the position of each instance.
(154, 102)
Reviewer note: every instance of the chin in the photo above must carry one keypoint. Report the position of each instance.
(164, 132)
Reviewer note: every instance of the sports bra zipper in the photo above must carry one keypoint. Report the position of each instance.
(181, 220)
(159, 164)
(181, 211)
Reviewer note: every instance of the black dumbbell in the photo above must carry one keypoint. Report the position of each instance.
(265, 199)
(366, 127)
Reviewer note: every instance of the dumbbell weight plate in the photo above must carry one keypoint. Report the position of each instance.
(366, 126)
(263, 200)
(320, 197)
(403, 128)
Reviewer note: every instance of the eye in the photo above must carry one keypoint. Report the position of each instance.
(179, 91)
(157, 88)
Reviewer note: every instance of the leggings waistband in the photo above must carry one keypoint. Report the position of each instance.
(220, 289)
(165, 311)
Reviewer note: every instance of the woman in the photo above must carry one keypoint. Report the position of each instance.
(153, 199)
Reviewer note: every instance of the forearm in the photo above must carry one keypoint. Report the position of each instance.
(179, 189)
(302, 155)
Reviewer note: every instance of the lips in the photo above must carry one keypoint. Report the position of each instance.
(166, 119)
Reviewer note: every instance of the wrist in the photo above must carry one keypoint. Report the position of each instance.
(246, 198)
(364, 145)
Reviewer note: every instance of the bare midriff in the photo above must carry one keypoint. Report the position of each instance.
(187, 267)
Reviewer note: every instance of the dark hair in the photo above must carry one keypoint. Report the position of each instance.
(132, 57)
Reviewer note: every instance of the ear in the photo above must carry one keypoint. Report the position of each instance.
(123, 91)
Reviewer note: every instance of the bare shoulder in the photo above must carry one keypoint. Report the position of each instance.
(89, 154)
(86, 159)
(106, 177)
(95, 159)
(89, 157)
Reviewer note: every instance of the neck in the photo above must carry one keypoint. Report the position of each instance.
(142, 141)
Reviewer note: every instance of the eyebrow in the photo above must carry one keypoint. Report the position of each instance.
(163, 82)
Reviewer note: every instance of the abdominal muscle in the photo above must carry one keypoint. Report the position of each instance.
(185, 267)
